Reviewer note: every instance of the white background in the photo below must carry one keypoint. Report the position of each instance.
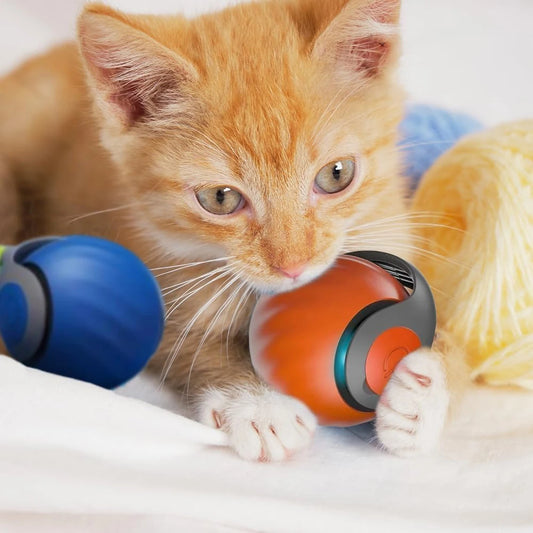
(471, 55)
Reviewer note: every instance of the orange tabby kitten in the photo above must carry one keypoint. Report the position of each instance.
(238, 152)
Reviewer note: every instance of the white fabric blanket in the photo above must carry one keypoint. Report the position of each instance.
(74, 457)
(77, 458)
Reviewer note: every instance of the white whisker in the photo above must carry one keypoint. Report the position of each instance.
(214, 320)
(169, 289)
(102, 211)
(184, 334)
(408, 217)
(322, 124)
(376, 244)
(241, 303)
(175, 268)
(195, 289)
(404, 145)
(386, 236)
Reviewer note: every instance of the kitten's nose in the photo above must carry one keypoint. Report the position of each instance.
(292, 271)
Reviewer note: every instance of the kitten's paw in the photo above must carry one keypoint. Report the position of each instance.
(412, 410)
(262, 425)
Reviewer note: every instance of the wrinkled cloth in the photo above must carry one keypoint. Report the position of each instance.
(96, 459)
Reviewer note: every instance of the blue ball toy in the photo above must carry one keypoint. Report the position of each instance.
(426, 132)
(80, 307)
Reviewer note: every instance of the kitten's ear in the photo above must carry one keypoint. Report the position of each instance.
(133, 75)
(362, 38)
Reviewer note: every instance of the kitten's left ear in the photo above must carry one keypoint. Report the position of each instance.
(135, 78)
(361, 40)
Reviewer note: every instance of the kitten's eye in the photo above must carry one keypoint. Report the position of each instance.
(220, 200)
(336, 176)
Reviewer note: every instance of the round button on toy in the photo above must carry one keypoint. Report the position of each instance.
(335, 342)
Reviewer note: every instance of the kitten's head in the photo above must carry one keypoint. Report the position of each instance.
(265, 132)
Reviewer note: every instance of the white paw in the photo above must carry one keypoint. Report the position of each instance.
(412, 410)
(262, 425)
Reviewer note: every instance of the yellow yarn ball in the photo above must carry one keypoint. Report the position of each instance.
(479, 242)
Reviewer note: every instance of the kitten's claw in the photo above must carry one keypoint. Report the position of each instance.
(412, 410)
(262, 425)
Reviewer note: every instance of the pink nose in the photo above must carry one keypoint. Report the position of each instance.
(292, 271)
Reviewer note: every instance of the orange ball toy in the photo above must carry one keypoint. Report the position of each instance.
(347, 327)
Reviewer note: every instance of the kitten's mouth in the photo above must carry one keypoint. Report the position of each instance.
(287, 284)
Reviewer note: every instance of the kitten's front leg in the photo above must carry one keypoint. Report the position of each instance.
(424, 391)
(262, 425)
(412, 410)
(422, 394)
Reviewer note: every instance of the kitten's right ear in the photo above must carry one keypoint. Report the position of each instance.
(361, 40)
(134, 77)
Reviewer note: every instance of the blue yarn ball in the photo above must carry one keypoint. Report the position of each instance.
(426, 132)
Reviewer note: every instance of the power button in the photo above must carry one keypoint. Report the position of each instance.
(389, 348)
